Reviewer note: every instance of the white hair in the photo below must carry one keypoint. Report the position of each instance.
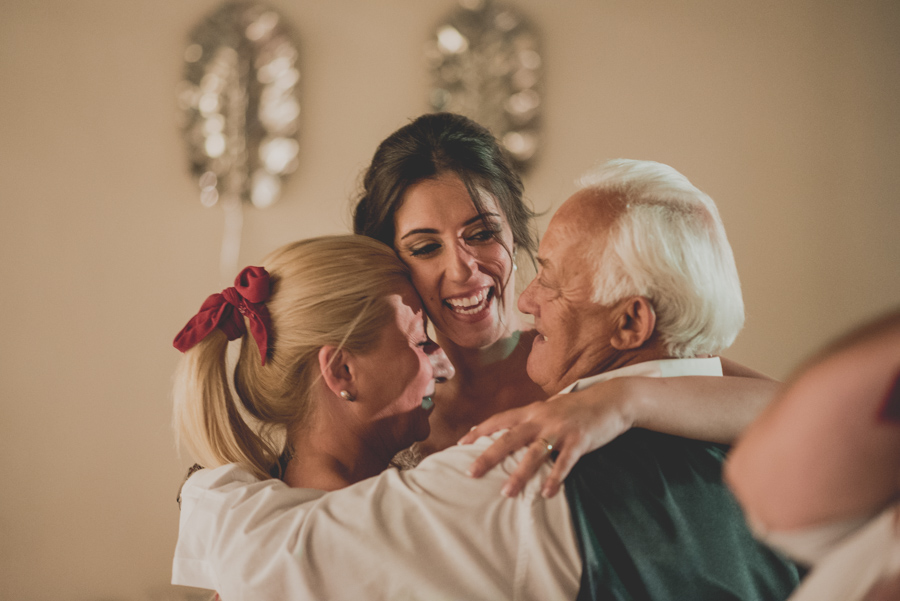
(667, 244)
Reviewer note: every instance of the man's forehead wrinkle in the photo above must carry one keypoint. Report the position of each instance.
(591, 210)
(565, 227)
(617, 199)
(579, 225)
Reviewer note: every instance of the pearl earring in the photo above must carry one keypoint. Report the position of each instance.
(347, 396)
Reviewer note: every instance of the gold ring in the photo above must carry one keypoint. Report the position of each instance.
(547, 444)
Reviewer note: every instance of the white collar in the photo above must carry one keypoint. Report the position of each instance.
(660, 368)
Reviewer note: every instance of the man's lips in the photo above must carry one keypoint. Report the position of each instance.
(471, 304)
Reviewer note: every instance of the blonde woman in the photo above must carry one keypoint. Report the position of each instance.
(323, 318)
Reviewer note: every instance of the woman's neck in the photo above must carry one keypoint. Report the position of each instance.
(331, 453)
(487, 381)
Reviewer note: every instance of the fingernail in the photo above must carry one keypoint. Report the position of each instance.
(506, 491)
(470, 473)
(546, 492)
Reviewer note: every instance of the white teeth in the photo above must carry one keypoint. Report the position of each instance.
(468, 302)
(467, 311)
(469, 305)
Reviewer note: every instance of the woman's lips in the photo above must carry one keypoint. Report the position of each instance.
(472, 304)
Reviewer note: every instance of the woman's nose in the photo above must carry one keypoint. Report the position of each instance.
(461, 265)
(443, 369)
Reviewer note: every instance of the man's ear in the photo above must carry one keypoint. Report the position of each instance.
(634, 323)
(336, 370)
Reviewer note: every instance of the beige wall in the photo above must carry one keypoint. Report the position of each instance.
(786, 113)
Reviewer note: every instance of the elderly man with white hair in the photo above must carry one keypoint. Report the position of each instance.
(637, 243)
(636, 278)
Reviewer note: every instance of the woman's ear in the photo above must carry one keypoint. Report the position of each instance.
(634, 324)
(334, 365)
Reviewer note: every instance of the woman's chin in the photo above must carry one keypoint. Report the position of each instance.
(473, 332)
(420, 432)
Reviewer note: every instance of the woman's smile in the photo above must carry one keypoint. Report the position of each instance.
(472, 305)
(461, 259)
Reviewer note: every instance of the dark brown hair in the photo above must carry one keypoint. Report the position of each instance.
(432, 145)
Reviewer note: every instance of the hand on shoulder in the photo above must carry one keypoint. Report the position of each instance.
(566, 427)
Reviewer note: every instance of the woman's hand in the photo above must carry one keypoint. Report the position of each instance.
(570, 424)
(698, 407)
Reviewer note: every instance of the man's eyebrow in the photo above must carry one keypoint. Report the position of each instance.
(429, 230)
(543, 262)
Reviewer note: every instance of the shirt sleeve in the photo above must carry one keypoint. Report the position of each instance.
(428, 533)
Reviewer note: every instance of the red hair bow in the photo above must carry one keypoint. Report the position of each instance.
(248, 295)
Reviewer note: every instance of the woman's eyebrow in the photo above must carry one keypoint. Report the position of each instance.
(480, 217)
(423, 230)
(429, 230)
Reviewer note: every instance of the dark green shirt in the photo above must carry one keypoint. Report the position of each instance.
(654, 521)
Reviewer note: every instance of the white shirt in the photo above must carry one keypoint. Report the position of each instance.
(849, 557)
(428, 533)
(661, 368)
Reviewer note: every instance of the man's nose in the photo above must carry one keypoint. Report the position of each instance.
(526, 302)
(443, 369)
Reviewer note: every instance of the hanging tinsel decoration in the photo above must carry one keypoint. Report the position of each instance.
(485, 63)
(241, 109)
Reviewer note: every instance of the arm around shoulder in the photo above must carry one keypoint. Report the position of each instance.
(421, 532)
(699, 407)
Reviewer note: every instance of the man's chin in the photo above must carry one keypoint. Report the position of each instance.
(547, 384)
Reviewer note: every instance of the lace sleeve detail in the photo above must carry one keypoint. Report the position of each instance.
(194, 468)
(407, 458)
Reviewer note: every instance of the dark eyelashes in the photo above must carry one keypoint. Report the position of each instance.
(491, 229)
(483, 235)
(423, 250)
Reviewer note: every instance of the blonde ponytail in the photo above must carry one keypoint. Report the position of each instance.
(206, 418)
(324, 291)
